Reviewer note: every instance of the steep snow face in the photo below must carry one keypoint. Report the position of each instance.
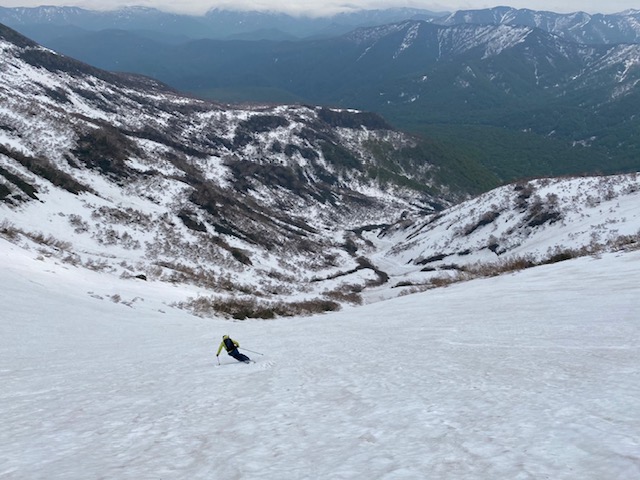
(493, 40)
(624, 55)
(559, 65)
(451, 41)
(44, 14)
(536, 217)
(372, 34)
(534, 372)
(576, 27)
(619, 62)
(408, 40)
(513, 227)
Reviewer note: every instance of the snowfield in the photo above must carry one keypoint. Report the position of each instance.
(524, 376)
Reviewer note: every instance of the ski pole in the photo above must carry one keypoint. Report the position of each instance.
(252, 351)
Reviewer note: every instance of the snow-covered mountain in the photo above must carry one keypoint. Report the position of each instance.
(539, 61)
(579, 27)
(264, 210)
(122, 174)
(127, 18)
(514, 227)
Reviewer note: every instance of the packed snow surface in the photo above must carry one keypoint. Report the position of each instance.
(525, 376)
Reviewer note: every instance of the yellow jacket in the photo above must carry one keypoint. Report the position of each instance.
(222, 344)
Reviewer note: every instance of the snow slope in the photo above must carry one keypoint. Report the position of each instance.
(527, 375)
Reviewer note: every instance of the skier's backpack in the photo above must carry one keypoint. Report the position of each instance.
(229, 345)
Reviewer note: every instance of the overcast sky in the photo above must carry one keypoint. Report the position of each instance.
(319, 7)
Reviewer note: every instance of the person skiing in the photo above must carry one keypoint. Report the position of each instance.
(231, 346)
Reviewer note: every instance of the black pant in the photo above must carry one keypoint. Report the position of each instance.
(239, 356)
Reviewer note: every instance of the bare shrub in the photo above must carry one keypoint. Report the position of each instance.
(123, 216)
(243, 308)
(129, 303)
(415, 289)
(526, 191)
(72, 259)
(561, 256)
(485, 219)
(433, 258)
(283, 277)
(154, 271)
(512, 264)
(97, 265)
(446, 280)
(78, 224)
(627, 242)
(404, 283)
(49, 241)
(202, 277)
(346, 294)
(9, 231)
(493, 269)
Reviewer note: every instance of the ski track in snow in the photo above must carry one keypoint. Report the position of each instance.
(530, 375)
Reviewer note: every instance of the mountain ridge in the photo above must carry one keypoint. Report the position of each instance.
(215, 23)
(580, 27)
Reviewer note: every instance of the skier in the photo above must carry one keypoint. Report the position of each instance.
(231, 346)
